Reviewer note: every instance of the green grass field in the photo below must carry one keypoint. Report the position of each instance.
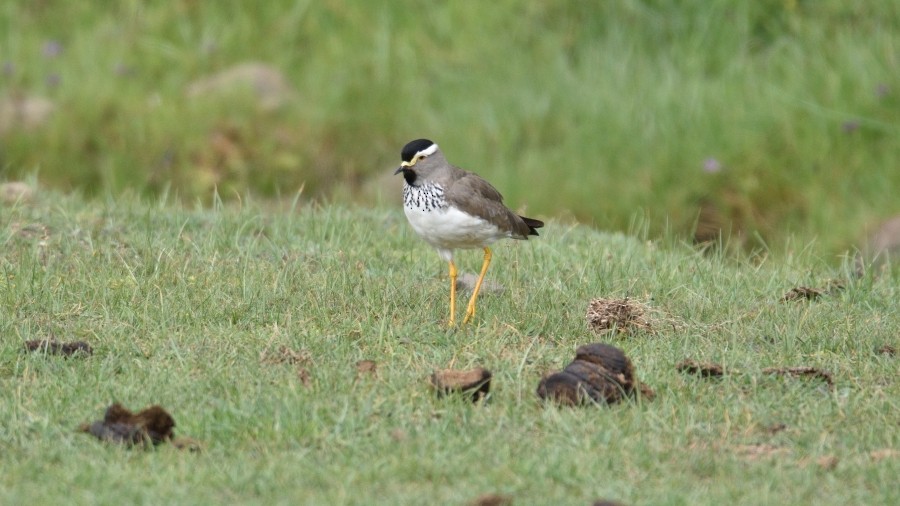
(192, 308)
(778, 118)
(165, 232)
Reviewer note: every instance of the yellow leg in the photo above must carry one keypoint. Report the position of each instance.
(470, 310)
(453, 273)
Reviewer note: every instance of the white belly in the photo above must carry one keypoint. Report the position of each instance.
(449, 228)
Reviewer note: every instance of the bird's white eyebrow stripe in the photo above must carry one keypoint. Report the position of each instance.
(429, 150)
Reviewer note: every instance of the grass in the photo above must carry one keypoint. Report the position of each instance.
(601, 111)
(189, 306)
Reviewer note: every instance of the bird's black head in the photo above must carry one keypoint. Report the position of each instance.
(411, 148)
(411, 154)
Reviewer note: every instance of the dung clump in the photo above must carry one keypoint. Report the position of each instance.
(52, 347)
(887, 349)
(600, 373)
(801, 293)
(624, 315)
(705, 370)
(492, 500)
(150, 426)
(832, 287)
(475, 383)
(802, 372)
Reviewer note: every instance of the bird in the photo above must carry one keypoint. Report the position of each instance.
(451, 208)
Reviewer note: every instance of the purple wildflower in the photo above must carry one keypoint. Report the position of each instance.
(209, 47)
(850, 126)
(52, 80)
(711, 166)
(123, 70)
(52, 48)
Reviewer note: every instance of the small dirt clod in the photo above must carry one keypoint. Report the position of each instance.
(152, 425)
(473, 382)
(366, 368)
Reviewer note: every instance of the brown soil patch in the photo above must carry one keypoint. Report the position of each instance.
(774, 428)
(15, 191)
(827, 462)
(884, 453)
(23, 113)
(759, 451)
(304, 376)
(366, 368)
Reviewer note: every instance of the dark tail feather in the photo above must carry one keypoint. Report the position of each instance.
(533, 225)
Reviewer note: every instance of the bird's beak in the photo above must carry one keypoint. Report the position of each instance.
(403, 165)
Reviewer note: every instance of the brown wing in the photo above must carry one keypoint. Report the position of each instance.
(473, 195)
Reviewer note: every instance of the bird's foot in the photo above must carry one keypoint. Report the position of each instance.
(470, 314)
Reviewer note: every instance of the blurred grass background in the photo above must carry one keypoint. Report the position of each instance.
(761, 119)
